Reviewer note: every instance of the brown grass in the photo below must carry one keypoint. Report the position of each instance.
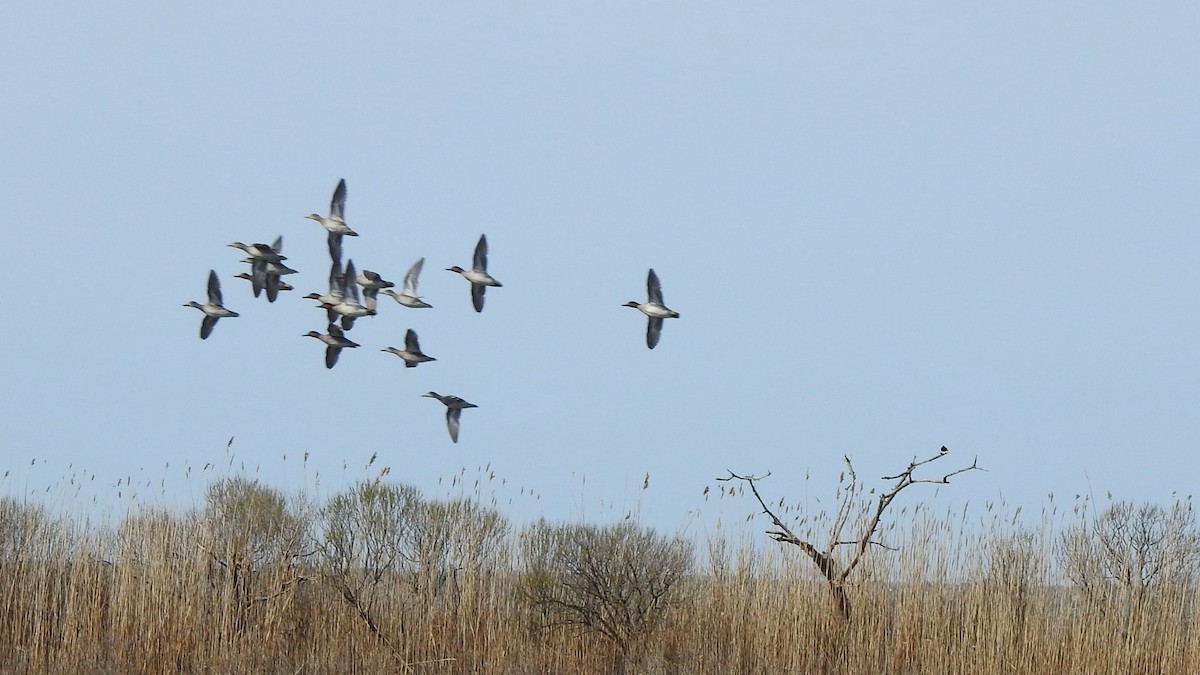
(157, 594)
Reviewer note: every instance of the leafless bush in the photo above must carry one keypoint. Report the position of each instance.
(367, 528)
(1133, 551)
(379, 538)
(619, 580)
(246, 528)
(364, 544)
(250, 525)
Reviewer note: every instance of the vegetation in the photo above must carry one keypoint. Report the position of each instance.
(380, 578)
(619, 581)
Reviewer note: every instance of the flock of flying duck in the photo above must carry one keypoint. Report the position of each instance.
(343, 303)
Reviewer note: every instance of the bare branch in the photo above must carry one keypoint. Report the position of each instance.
(848, 494)
(785, 533)
(734, 476)
(283, 589)
(872, 543)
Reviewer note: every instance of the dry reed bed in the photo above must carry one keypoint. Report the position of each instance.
(156, 596)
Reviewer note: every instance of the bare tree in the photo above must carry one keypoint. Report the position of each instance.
(835, 567)
(1133, 549)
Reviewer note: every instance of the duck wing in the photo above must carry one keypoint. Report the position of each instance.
(477, 296)
(214, 288)
(337, 206)
(335, 247)
(349, 286)
(653, 287)
(410, 342)
(335, 288)
(335, 278)
(258, 275)
(207, 325)
(481, 251)
(653, 331)
(452, 415)
(272, 283)
(410, 279)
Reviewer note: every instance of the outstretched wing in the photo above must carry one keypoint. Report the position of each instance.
(335, 277)
(653, 331)
(653, 288)
(480, 262)
(452, 415)
(335, 247)
(410, 279)
(214, 288)
(477, 296)
(206, 326)
(349, 286)
(337, 206)
(258, 275)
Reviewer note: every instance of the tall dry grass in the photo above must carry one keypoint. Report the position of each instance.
(216, 591)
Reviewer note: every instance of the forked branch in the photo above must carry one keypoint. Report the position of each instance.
(837, 574)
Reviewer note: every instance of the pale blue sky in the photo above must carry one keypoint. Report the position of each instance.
(887, 228)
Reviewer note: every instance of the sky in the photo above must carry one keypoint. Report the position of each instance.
(886, 229)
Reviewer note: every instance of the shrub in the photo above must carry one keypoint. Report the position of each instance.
(246, 528)
(618, 580)
(1133, 550)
